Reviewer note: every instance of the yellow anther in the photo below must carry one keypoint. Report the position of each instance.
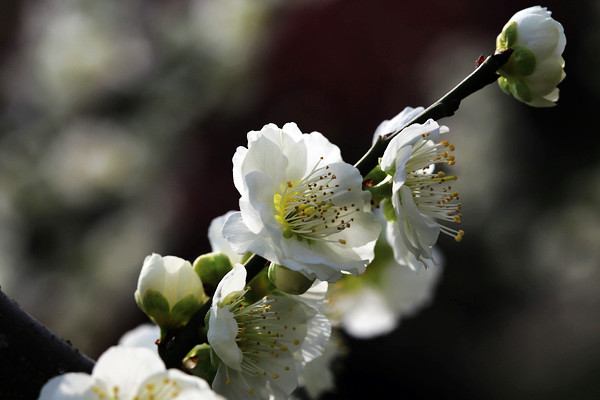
(457, 219)
(445, 143)
(275, 376)
(451, 147)
(342, 241)
(296, 342)
(441, 174)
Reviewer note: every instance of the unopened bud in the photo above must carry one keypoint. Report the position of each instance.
(536, 66)
(169, 291)
(212, 267)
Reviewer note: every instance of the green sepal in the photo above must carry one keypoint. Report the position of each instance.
(184, 309)
(508, 37)
(199, 362)
(388, 211)
(523, 61)
(520, 90)
(154, 304)
(287, 280)
(504, 85)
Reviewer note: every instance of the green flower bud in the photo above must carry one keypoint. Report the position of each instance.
(212, 267)
(169, 291)
(535, 67)
(288, 281)
(199, 362)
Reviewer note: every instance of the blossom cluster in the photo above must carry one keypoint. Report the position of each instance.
(315, 245)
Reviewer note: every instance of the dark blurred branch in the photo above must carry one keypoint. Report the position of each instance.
(30, 354)
(444, 107)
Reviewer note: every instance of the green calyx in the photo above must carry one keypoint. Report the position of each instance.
(517, 87)
(521, 63)
(508, 37)
(156, 307)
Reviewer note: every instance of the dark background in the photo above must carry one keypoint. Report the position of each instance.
(119, 121)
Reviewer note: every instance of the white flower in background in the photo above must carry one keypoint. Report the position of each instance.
(374, 304)
(301, 206)
(93, 158)
(126, 373)
(262, 347)
(421, 198)
(536, 66)
(169, 291)
(144, 335)
(78, 51)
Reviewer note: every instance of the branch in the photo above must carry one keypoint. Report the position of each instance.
(30, 354)
(444, 107)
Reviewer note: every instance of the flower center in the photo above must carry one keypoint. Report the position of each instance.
(308, 209)
(267, 329)
(431, 192)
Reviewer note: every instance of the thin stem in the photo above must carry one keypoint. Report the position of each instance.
(444, 107)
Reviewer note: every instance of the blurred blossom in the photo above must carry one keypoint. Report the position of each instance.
(144, 335)
(229, 30)
(75, 51)
(93, 158)
(373, 304)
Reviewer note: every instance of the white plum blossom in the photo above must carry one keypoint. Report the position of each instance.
(536, 65)
(128, 373)
(421, 198)
(301, 205)
(262, 347)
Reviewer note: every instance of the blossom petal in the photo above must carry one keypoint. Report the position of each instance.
(72, 385)
(126, 368)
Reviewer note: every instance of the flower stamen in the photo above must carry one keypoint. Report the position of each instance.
(431, 192)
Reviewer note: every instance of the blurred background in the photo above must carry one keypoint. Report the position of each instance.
(119, 119)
